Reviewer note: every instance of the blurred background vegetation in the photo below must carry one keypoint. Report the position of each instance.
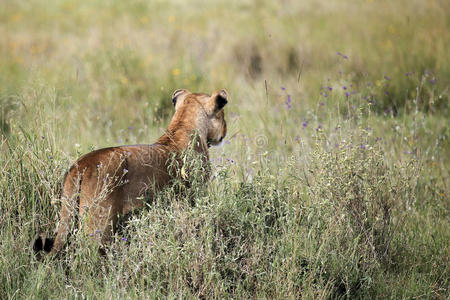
(304, 77)
(112, 64)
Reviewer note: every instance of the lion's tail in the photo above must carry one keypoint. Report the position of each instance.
(69, 211)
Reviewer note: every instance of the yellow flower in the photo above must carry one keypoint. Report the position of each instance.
(144, 20)
(391, 29)
(171, 19)
(176, 72)
(16, 17)
(124, 80)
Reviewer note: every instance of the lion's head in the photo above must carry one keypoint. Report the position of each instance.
(213, 113)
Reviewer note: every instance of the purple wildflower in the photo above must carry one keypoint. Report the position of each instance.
(124, 239)
(362, 147)
(288, 102)
(283, 88)
(432, 80)
(343, 55)
(344, 87)
(386, 77)
(386, 93)
(347, 94)
(330, 88)
(305, 124)
(297, 138)
(318, 128)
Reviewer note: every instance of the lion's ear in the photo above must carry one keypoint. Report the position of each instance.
(218, 100)
(221, 99)
(176, 94)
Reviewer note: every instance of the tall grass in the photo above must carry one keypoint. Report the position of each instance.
(333, 181)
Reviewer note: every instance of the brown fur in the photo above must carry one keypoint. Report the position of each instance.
(107, 183)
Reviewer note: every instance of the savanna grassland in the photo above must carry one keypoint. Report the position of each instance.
(333, 181)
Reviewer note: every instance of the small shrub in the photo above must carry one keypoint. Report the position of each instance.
(357, 204)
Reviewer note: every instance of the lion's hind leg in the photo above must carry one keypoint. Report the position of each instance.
(100, 206)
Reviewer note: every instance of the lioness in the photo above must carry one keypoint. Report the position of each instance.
(107, 183)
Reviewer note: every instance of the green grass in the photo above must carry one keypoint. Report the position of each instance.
(327, 196)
